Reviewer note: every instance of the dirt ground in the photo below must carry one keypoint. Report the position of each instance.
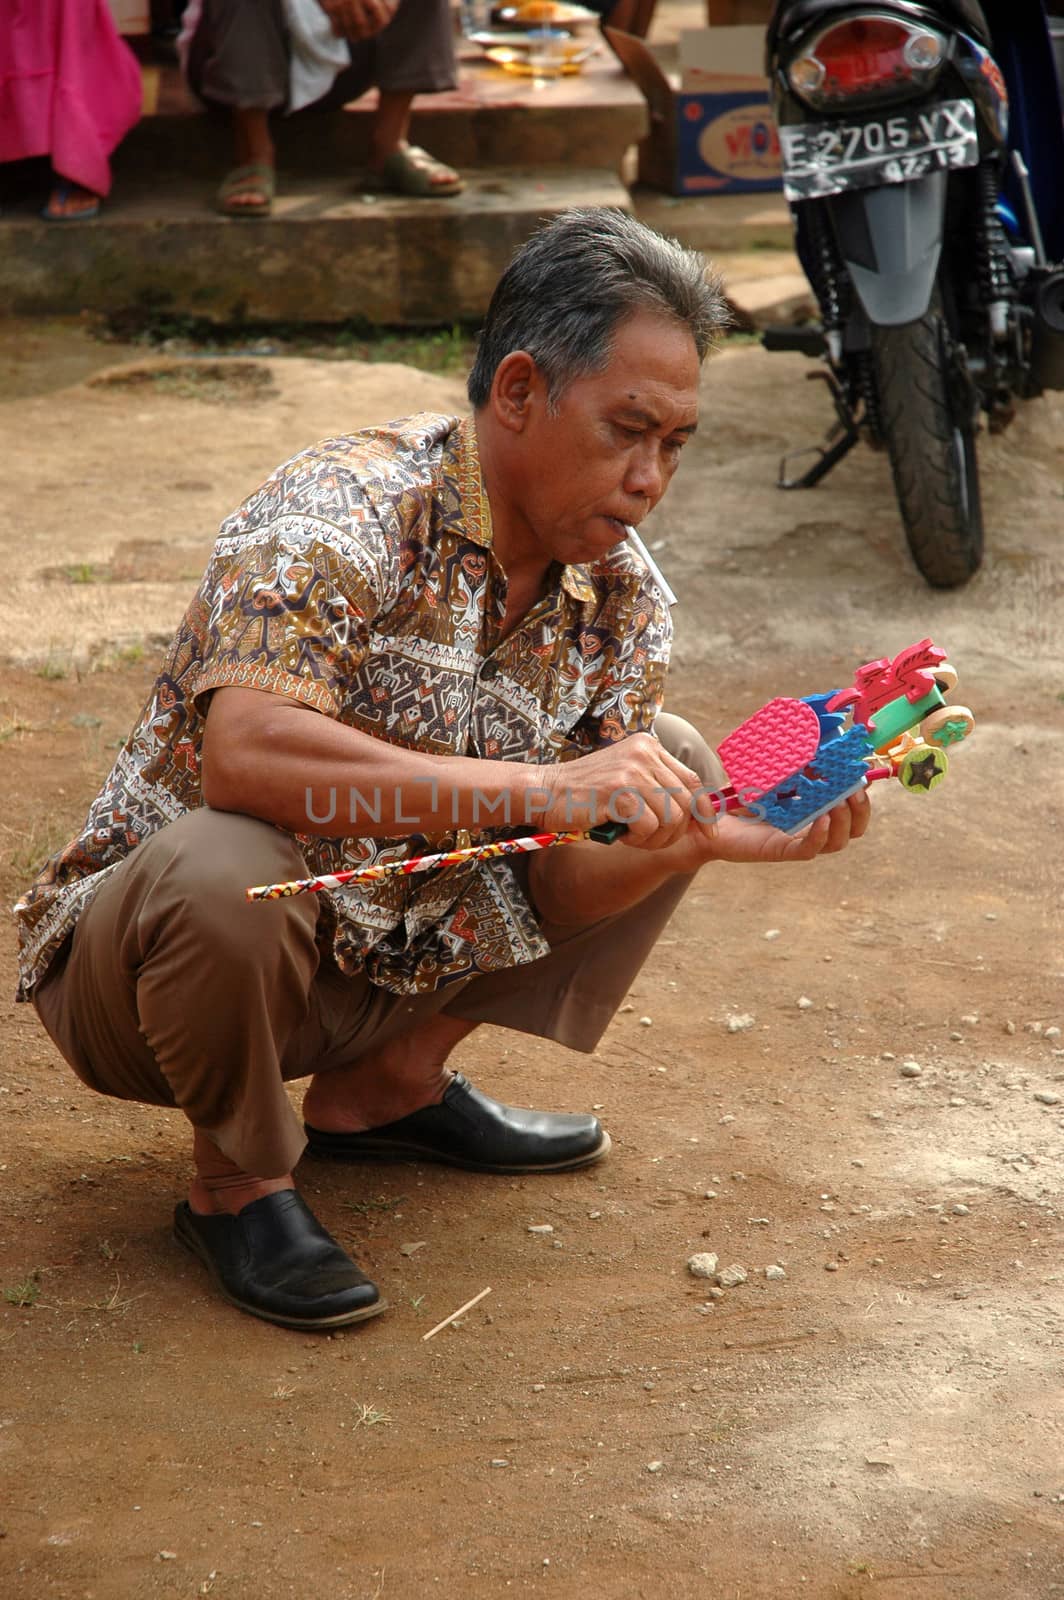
(886, 1421)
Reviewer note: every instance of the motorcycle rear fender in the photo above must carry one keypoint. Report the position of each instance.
(891, 240)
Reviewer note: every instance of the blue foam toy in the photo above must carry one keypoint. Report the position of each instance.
(838, 769)
(830, 721)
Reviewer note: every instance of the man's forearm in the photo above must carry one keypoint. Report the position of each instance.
(310, 774)
(585, 883)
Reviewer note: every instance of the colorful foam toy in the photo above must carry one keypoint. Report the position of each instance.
(795, 759)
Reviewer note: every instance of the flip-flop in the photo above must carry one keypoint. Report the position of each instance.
(410, 171)
(60, 195)
(257, 178)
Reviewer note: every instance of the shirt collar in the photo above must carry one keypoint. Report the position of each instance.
(576, 580)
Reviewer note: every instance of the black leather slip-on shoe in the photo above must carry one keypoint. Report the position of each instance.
(275, 1260)
(468, 1129)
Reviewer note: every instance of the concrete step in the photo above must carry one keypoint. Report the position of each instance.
(327, 254)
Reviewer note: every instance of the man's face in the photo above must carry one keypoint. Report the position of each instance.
(605, 457)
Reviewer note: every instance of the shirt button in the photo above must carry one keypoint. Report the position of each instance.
(489, 670)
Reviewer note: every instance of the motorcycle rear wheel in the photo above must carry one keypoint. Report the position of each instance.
(930, 438)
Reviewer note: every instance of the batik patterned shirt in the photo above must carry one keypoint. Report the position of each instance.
(360, 581)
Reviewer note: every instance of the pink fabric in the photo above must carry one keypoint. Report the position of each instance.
(70, 88)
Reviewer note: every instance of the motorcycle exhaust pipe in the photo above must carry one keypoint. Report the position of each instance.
(1047, 330)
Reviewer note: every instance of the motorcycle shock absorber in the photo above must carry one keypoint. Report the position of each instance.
(826, 279)
(860, 395)
(996, 290)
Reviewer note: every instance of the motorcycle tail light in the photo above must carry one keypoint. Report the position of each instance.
(868, 57)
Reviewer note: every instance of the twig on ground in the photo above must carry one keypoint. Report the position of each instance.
(456, 1314)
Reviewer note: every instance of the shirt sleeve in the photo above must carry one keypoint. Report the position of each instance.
(288, 606)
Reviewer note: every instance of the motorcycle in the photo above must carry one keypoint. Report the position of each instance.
(923, 160)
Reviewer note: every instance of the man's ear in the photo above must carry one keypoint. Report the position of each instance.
(517, 385)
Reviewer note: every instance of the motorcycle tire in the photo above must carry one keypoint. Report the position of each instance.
(930, 438)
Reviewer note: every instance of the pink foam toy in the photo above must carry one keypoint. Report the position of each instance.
(775, 742)
(911, 673)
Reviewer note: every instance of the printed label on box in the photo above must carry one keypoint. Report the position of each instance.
(727, 141)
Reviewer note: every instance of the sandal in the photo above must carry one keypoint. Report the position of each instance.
(247, 191)
(412, 171)
(58, 198)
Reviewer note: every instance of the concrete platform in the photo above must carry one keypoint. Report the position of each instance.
(327, 254)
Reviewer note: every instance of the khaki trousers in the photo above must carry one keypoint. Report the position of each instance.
(176, 991)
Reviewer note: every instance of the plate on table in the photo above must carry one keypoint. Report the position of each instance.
(547, 14)
(518, 58)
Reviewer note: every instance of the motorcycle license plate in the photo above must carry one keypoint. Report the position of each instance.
(829, 157)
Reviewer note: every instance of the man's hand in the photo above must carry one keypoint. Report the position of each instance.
(587, 882)
(737, 839)
(636, 782)
(359, 19)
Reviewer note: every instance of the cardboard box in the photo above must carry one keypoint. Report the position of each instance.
(131, 16)
(712, 131)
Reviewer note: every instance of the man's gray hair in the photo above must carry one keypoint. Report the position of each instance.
(566, 290)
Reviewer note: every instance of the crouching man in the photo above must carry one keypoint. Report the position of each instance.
(426, 632)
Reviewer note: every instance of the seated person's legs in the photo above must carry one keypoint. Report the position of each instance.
(238, 63)
(414, 55)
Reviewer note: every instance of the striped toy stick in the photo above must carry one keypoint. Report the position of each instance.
(604, 834)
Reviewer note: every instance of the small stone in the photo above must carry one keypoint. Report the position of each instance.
(709, 1194)
(1046, 1097)
(957, 1100)
(1033, 1027)
(961, 1210)
(831, 1266)
(970, 1019)
(167, 1555)
(500, 1461)
(771, 933)
(716, 1293)
(1051, 1033)
(956, 1037)
(726, 1119)
(775, 1273)
(887, 1055)
(910, 1069)
(1010, 1027)
(594, 1214)
(541, 1227)
(655, 1466)
(646, 1022)
(804, 1003)
(876, 1261)
(624, 1009)
(990, 916)
(740, 1021)
(702, 1265)
(731, 1277)
(538, 1388)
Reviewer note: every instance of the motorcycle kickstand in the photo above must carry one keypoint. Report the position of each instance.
(841, 438)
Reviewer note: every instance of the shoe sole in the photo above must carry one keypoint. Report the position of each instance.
(343, 1319)
(393, 1150)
